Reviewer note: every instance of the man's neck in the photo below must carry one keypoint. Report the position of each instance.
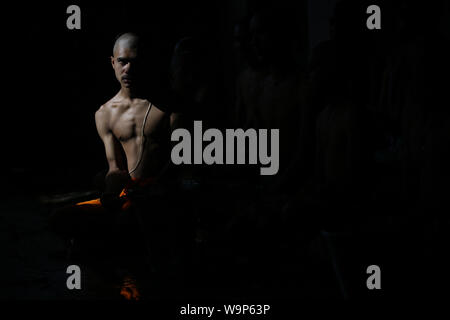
(127, 93)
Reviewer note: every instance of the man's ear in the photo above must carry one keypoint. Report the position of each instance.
(112, 62)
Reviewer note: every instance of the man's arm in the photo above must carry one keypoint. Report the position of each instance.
(117, 175)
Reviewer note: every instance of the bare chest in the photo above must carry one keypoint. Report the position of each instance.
(127, 122)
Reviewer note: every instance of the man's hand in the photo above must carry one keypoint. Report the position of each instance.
(116, 181)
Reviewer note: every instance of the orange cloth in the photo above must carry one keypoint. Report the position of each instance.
(123, 195)
(129, 289)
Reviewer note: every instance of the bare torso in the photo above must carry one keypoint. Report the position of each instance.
(129, 145)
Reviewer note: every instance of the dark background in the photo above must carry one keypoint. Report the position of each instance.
(61, 77)
(57, 78)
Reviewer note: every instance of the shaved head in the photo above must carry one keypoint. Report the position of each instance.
(126, 60)
(126, 40)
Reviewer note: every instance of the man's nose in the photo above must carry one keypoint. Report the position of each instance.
(127, 68)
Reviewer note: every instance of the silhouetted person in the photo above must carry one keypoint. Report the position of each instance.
(435, 171)
(193, 83)
(269, 91)
(270, 95)
(336, 126)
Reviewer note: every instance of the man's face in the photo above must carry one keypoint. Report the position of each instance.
(124, 63)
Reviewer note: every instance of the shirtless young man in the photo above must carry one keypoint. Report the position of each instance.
(132, 128)
(135, 134)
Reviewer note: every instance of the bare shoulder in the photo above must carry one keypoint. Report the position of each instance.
(105, 110)
(102, 116)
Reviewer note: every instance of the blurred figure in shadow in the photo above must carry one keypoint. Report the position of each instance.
(337, 125)
(343, 141)
(345, 148)
(414, 100)
(435, 156)
(422, 52)
(194, 92)
(342, 153)
(269, 90)
(338, 130)
(195, 97)
(435, 171)
(409, 101)
(269, 95)
(400, 112)
(193, 83)
(403, 114)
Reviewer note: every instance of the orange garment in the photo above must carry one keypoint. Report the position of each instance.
(123, 195)
(129, 289)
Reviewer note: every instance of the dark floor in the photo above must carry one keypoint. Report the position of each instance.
(34, 263)
(224, 266)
